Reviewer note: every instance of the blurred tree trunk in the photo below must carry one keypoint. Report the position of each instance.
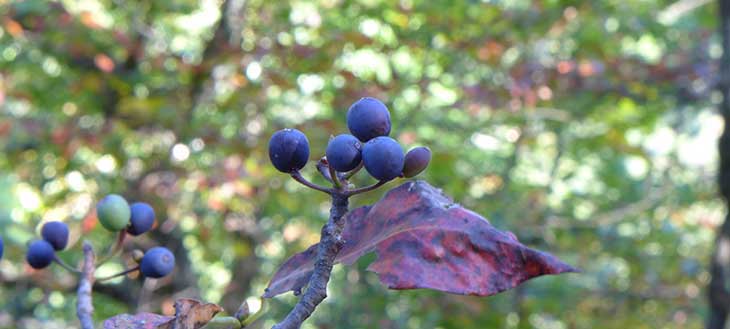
(719, 289)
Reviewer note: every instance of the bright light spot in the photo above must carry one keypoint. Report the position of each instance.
(366, 64)
(544, 93)
(636, 166)
(80, 205)
(254, 127)
(634, 136)
(106, 164)
(197, 144)
(443, 95)
(69, 108)
(369, 27)
(661, 141)
(180, 152)
(611, 24)
(700, 150)
(29, 198)
(50, 66)
(55, 214)
(56, 299)
(485, 142)
(254, 304)
(75, 181)
(512, 134)
(310, 83)
(253, 71)
(305, 14)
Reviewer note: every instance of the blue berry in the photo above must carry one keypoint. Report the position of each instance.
(416, 161)
(2, 247)
(368, 118)
(142, 218)
(55, 233)
(343, 152)
(40, 254)
(288, 150)
(157, 262)
(383, 158)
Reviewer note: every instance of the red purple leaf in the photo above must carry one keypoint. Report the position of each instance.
(424, 240)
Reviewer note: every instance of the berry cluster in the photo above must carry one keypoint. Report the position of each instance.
(116, 215)
(368, 146)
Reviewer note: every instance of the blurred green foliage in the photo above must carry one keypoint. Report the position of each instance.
(585, 127)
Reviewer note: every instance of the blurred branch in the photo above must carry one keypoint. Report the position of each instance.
(84, 306)
(223, 39)
(678, 9)
(719, 291)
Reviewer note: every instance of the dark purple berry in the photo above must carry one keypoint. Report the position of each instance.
(343, 152)
(55, 233)
(2, 247)
(40, 254)
(416, 161)
(368, 118)
(142, 218)
(288, 150)
(157, 262)
(383, 158)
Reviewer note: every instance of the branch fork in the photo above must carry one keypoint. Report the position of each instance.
(331, 241)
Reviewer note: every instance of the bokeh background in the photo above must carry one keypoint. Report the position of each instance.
(588, 128)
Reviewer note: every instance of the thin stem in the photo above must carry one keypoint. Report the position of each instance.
(366, 188)
(323, 169)
(84, 306)
(253, 317)
(114, 250)
(335, 179)
(330, 245)
(351, 173)
(66, 266)
(122, 273)
(298, 177)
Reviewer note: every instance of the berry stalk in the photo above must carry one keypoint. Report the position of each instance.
(330, 245)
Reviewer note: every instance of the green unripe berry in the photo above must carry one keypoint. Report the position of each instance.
(113, 212)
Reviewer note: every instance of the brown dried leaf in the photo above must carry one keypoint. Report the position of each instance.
(191, 314)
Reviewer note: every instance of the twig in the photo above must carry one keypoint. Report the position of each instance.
(329, 246)
(114, 249)
(335, 179)
(351, 173)
(365, 189)
(323, 168)
(298, 177)
(84, 306)
(65, 266)
(125, 272)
